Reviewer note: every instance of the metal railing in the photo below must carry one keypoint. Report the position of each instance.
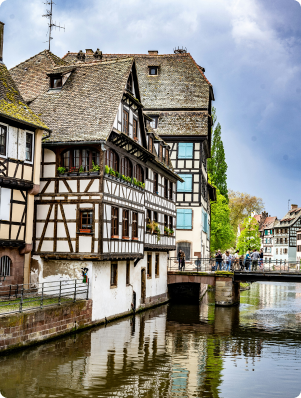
(193, 264)
(19, 298)
(196, 264)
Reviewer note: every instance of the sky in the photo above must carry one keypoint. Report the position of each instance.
(251, 50)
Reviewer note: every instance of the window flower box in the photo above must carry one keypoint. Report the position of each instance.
(115, 237)
(94, 173)
(85, 231)
(135, 238)
(84, 173)
(126, 237)
(72, 174)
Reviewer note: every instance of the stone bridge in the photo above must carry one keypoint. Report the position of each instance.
(189, 285)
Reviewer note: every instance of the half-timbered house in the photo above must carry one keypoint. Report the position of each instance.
(21, 133)
(178, 97)
(107, 197)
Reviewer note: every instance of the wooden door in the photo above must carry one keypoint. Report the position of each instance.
(143, 285)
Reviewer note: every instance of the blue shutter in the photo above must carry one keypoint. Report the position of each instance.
(185, 150)
(265, 231)
(271, 231)
(185, 186)
(184, 219)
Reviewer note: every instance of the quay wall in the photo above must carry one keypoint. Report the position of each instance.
(18, 330)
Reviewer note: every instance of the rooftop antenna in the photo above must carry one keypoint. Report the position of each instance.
(51, 25)
(289, 204)
(179, 50)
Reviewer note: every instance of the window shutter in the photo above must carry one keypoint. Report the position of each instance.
(5, 204)
(185, 186)
(185, 150)
(184, 219)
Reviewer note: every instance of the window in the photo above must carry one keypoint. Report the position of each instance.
(170, 222)
(160, 152)
(86, 217)
(126, 167)
(271, 231)
(155, 216)
(185, 150)
(266, 240)
(127, 276)
(280, 251)
(265, 249)
(148, 216)
(28, 151)
(139, 173)
(205, 222)
(125, 224)
(5, 194)
(135, 128)
(184, 219)
(165, 224)
(112, 159)
(76, 158)
(3, 132)
(277, 240)
(157, 264)
(115, 224)
(135, 226)
(114, 272)
(266, 232)
(56, 81)
(281, 240)
(170, 190)
(153, 70)
(150, 144)
(149, 265)
(156, 183)
(185, 186)
(154, 122)
(284, 251)
(129, 85)
(185, 246)
(125, 122)
(166, 156)
(5, 266)
(276, 251)
(285, 240)
(166, 188)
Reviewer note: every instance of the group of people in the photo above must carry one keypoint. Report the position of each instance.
(181, 260)
(227, 261)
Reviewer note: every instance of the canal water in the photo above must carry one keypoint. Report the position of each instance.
(173, 351)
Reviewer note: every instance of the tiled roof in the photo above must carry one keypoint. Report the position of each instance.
(84, 109)
(12, 105)
(182, 123)
(30, 75)
(180, 83)
(268, 223)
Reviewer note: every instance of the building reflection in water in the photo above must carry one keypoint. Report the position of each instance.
(171, 351)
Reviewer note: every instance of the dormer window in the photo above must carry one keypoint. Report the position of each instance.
(153, 70)
(154, 122)
(150, 144)
(56, 81)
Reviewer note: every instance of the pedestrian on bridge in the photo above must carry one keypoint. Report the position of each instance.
(182, 260)
(247, 261)
(228, 261)
(218, 259)
(241, 262)
(255, 256)
(236, 260)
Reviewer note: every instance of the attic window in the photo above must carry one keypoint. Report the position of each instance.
(154, 122)
(129, 85)
(153, 70)
(56, 81)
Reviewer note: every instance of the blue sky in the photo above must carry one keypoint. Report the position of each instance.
(251, 50)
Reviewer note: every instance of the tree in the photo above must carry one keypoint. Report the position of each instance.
(242, 205)
(222, 233)
(249, 237)
(217, 166)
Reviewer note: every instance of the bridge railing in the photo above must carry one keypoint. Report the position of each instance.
(197, 264)
(192, 264)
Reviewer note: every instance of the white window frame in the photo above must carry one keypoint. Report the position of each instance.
(32, 149)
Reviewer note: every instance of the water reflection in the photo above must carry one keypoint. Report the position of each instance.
(173, 351)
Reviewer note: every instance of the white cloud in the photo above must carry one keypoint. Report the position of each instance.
(299, 1)
(1, 1)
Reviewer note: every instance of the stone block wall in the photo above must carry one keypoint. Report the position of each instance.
(226, 291)
(22, 329)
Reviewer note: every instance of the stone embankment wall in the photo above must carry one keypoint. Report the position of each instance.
(21, 329)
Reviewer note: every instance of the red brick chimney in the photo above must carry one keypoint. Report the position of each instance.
(1, 40)
(153, 52)
(293, 207)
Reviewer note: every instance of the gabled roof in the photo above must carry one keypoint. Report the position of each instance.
(180, 83)
(12, 105)
(30, 75)
(84, 109)
(268, 223)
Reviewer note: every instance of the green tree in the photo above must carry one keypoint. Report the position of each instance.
(249, 237)
(217, 166)
(222, 233)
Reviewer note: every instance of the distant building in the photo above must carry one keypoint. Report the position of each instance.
(267, 237)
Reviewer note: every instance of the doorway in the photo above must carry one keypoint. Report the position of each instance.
(143, 285)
